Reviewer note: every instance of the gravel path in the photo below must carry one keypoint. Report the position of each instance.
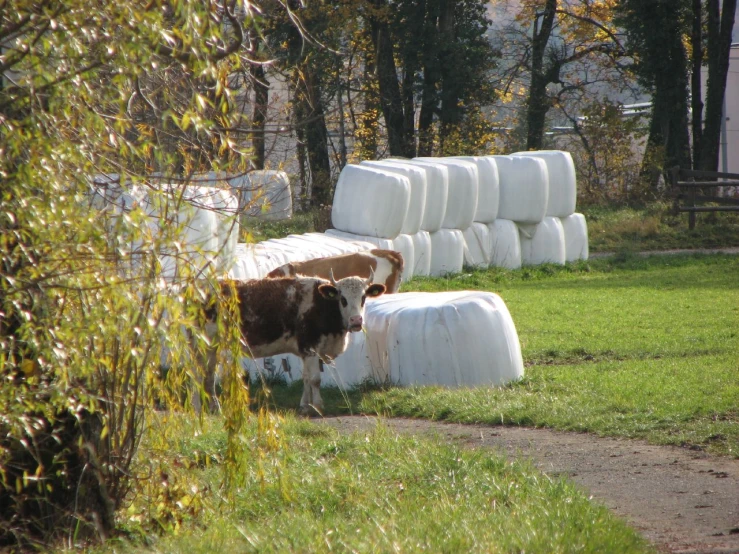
(681, 500)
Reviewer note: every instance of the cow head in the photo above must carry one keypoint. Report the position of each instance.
(351, 293)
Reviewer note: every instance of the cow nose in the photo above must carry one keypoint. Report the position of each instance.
(355, 321)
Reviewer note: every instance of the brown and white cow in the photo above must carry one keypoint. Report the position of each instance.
(305, 316)
(385, 265)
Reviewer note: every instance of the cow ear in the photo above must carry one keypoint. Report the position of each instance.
(375, 290)
(328, 291)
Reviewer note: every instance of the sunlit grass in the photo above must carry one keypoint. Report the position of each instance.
(655, 227)
(626, 346)
(380, 492)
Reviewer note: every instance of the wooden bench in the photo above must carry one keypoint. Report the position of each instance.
(687, 189)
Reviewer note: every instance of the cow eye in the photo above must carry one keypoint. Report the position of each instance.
(343, 301)
(363, 299)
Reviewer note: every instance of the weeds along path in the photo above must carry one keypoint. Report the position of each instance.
(680, 500)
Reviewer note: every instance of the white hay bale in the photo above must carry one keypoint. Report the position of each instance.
(421, 253)
(417, 179)
(447, 252)
(524, 188)
(347, 370)
(477, 245)
(437, 193)
(404, 245)
(376, 242)
(196, 239)
(505, 244)
(270, 195)
(543, 242)
(344, 246)
(226, 205)
(245, 265)
(562, 180)
(464, 338)
(464, 186)
(323, 247)
(576, 237)
(370, 202)
(488, 198)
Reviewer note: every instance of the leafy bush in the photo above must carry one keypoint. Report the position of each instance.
(85, 313)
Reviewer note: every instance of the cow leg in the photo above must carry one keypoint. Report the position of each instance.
(311, 401)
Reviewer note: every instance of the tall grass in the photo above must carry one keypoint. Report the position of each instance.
(380, 492)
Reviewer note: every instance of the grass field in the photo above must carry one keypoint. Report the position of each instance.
(625, 346)
(320, 491)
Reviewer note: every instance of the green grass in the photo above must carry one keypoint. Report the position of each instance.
(656, 227)
(379, 492)
(624, 346)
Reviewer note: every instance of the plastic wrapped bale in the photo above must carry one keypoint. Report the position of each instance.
(197, 227)
(245, 265)
(104, 190)
(293, 252)
(576, 237)
(311, 250)
(421, 253)
(385, 244)
(282, 367)
(404, 245)
(271, 195)
(461, 204)
(543, 242)
(524, 188)
(344, 246)
(477, 245)
(505, 244)
(417, 179)
(437, 194)
(347, 370)
(461, 338)
(323, 246)
(370, 202)
(488, 197)
(447, 252)
(353, 367)
(226, 205)
(562, 180)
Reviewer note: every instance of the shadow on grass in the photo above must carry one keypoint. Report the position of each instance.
(280, 396)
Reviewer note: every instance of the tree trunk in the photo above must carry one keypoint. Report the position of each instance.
(369, 117)
(449, 115)
(696, 85)
(311, 120)
(429, 94)
(719, 48)
(538, 103)
(390, 97)
(259, 117)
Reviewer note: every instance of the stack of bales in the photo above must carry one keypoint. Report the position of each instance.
(265, 194)
(203, 224)
(480, 211)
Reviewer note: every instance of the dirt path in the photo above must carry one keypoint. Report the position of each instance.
(682, 501)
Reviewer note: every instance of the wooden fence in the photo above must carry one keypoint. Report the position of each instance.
(688, 190)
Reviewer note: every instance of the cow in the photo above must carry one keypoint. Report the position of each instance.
(385, 265)
(309, 317)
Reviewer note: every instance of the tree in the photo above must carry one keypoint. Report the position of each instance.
(655, 32)
(572, 44)
(126, 88)
(720, 24)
